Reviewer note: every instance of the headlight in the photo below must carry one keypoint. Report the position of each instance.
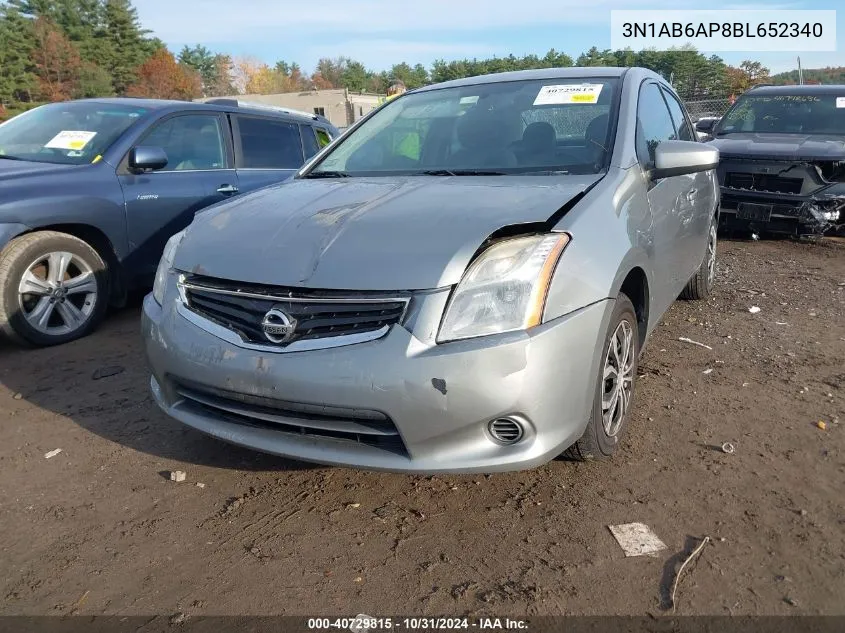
(504, 289)
(164, 266)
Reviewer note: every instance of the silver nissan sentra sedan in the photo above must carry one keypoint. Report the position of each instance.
(462, 283)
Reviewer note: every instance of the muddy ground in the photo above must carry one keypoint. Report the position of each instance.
(98, 529)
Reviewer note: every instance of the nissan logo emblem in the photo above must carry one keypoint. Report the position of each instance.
(278, 326)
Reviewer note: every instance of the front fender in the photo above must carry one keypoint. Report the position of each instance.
(612, 234)
(9, 231)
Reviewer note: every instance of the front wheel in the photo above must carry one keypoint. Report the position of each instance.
(53, 288)
(615, 384)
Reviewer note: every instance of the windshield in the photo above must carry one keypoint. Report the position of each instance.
(560, 125)
(70, 133)
(786, 114)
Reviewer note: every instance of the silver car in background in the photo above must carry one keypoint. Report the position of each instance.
(463, 282)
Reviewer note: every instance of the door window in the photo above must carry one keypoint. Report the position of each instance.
(654, 124)
(682, 126)
(269, 144)
(309, 141)
(323, 137)
(191, 142)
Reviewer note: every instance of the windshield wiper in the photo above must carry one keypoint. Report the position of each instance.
(326, 174)
(11, 157)
(463, 172)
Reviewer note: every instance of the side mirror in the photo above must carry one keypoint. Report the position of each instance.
(676, 158)
(705, 125)
(147, 158)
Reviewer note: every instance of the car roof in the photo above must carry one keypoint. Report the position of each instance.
(798, 90)
(225, 105)
(575, 72)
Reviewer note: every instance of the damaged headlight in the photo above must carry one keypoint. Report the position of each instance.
(165, 265)
(504, 289)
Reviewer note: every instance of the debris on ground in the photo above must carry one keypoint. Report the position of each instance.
(692, 555)
(754, 309)
(177, 475)
(105, 372)
(636, 539)
(707, 372)
(52, 453)
(684, 339)
(178, 618)
(200, 484)
(821, 425)
(728, 448)
(18, 396)
(353, 505)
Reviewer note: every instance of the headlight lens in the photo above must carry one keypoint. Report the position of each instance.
(504, 289)
(164, 266)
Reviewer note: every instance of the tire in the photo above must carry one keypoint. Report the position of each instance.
(69, 289)
(701, 283)
(601, 437)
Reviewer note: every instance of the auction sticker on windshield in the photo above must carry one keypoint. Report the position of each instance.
(70, 139)
(840, 102)
(568, 93)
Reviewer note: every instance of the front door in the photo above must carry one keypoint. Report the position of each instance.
(698, 202)
(199, 172)
(666, 198)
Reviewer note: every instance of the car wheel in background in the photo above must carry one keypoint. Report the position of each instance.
(614, 386)
(701, 283)
(53, 288)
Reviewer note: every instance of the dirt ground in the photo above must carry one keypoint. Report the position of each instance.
(98, 529)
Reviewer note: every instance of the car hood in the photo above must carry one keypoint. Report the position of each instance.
(13, 169)
(781, 146)
(398, 233)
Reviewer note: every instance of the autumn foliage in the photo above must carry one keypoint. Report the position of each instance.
(161, 77)
(57, 62)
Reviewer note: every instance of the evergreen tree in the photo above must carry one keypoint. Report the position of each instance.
(17, 76)
(125, 46)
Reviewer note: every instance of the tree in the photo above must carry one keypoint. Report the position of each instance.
(749, 73)
(221, 85)
(755, 71)
(411, 77)
(94, 81)
(125, 46)
(17, 76)
(204, 62)
(57, 62)
(161, 77)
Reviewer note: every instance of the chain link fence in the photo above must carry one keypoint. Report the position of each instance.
(707, 107)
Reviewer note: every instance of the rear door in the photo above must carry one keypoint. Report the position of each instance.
(267, 150)
(665, 196)
(199, 172)
(698, 204)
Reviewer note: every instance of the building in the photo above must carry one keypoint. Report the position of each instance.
(340, 106)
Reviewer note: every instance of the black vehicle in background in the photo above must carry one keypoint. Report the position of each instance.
(782, 165)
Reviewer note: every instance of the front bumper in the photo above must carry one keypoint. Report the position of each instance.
(440, 398)
(791, 215)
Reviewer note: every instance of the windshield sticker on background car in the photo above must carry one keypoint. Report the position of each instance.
(70, 140)
(840, 102)
(466, 100)
(568, 93)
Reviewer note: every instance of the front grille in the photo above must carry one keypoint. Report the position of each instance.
(318, 314)
(360, 426)
(763, 182)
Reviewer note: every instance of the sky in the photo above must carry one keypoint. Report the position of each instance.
(379, 33)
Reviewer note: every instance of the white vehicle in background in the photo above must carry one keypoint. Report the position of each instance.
(704, 125)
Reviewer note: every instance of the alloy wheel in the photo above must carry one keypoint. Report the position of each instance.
(58, 293)
(618, 382)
